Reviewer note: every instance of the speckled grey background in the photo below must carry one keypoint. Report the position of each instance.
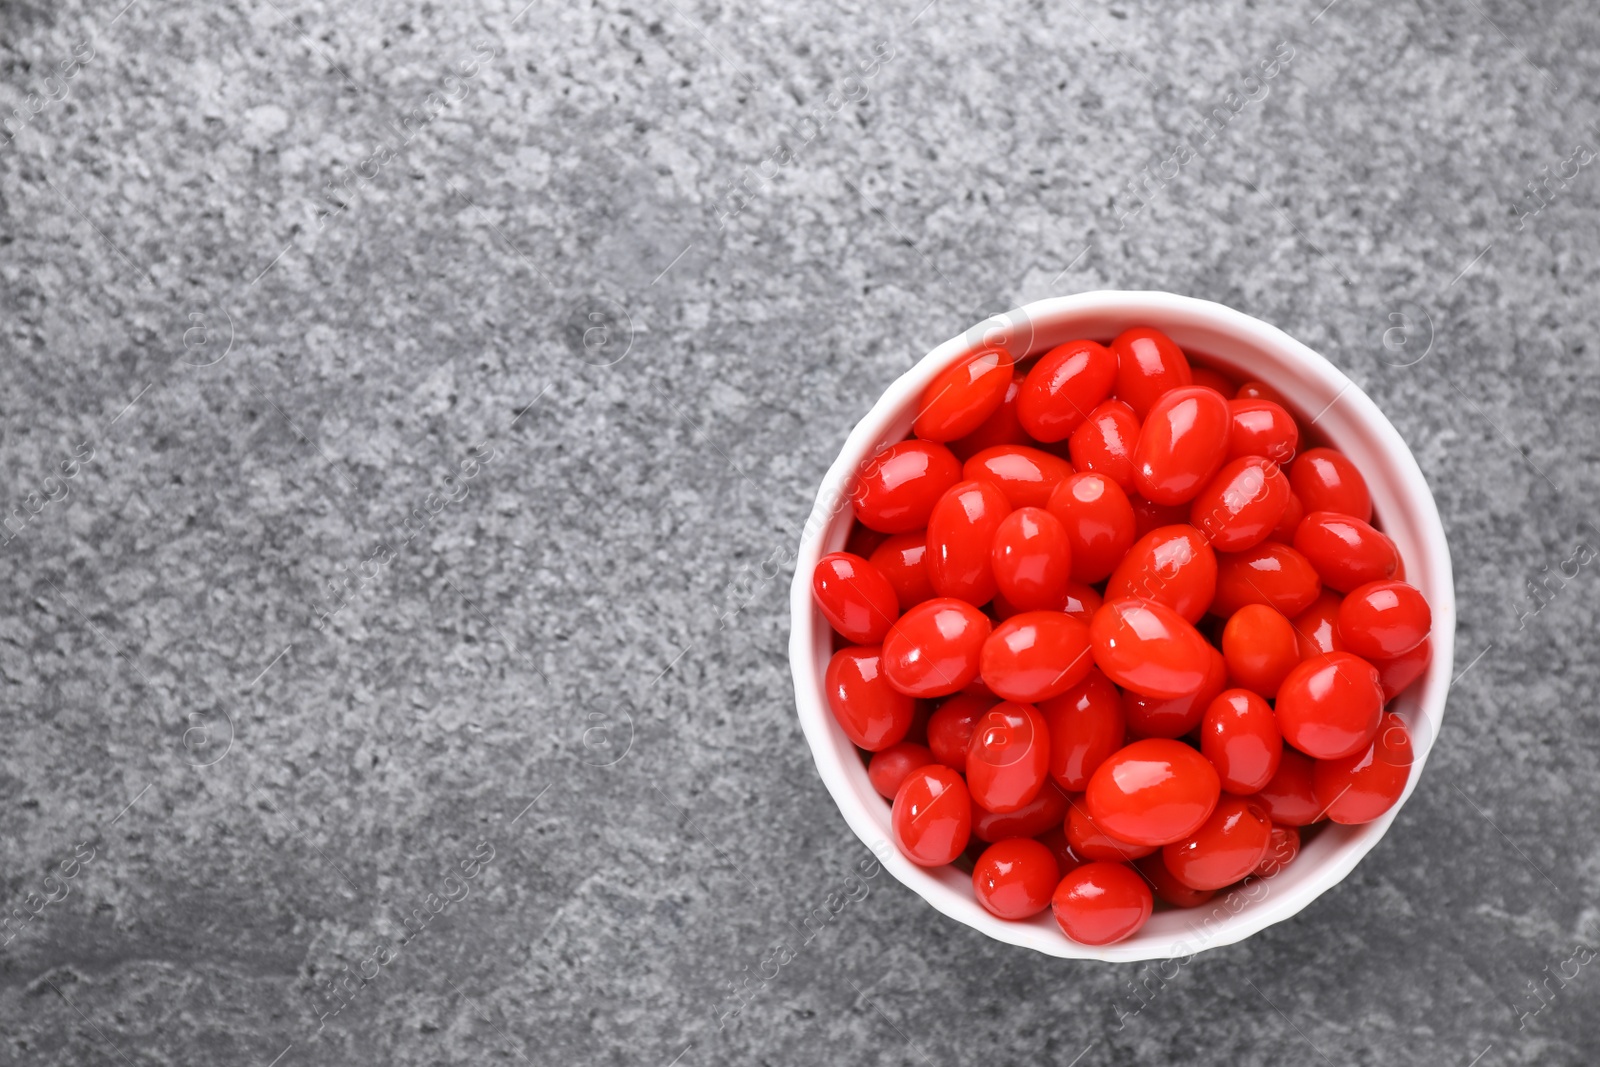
(338, 567)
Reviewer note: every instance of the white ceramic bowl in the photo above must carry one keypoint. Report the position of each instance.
(1250, 349)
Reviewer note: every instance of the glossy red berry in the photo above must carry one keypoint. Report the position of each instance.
(1382, 620)
(1242, 504)
(1212, 379)
(1015, 878)
(1227, 846)
(889, 767)
(902, 560)
(1008, 757)
(1292, 514)
(1098, 521)
(951, 724)
(932, 816)
(1316, 629)
(1149, 716)
(871, 712)
(933, 649)
(1269, 573)
(958, 401)
(1101, 903)
(1032, 560)
(1361, 787)
(1254, 390)
(1395, 675)
(1260, 647)
(1345, 551)
(1036, 655)
(1153, 792)
(1105, 441)
(1089, 841)
(1262, 428)
(1182, 444)
(897, 488)
(1239, 735)
(1329, 706)
(1064, 386)
(1166, 887)
(1326, 480)
(1171, 565)
(1047, 809)
(1288, 798)
(1026, 475)
(1149, 366)
(1086, 727)
(1000, 428)
(961, 533)
(1148, 647)
(855, 597)
(1283, 847)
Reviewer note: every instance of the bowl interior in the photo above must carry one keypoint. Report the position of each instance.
(1329, 405)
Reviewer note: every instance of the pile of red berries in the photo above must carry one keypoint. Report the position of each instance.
(1108, 634)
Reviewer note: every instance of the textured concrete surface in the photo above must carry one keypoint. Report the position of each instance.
(408, 413)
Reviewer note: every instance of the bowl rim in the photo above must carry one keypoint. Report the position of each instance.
(868, 437)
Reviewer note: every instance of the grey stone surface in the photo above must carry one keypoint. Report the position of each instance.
(263, 297)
